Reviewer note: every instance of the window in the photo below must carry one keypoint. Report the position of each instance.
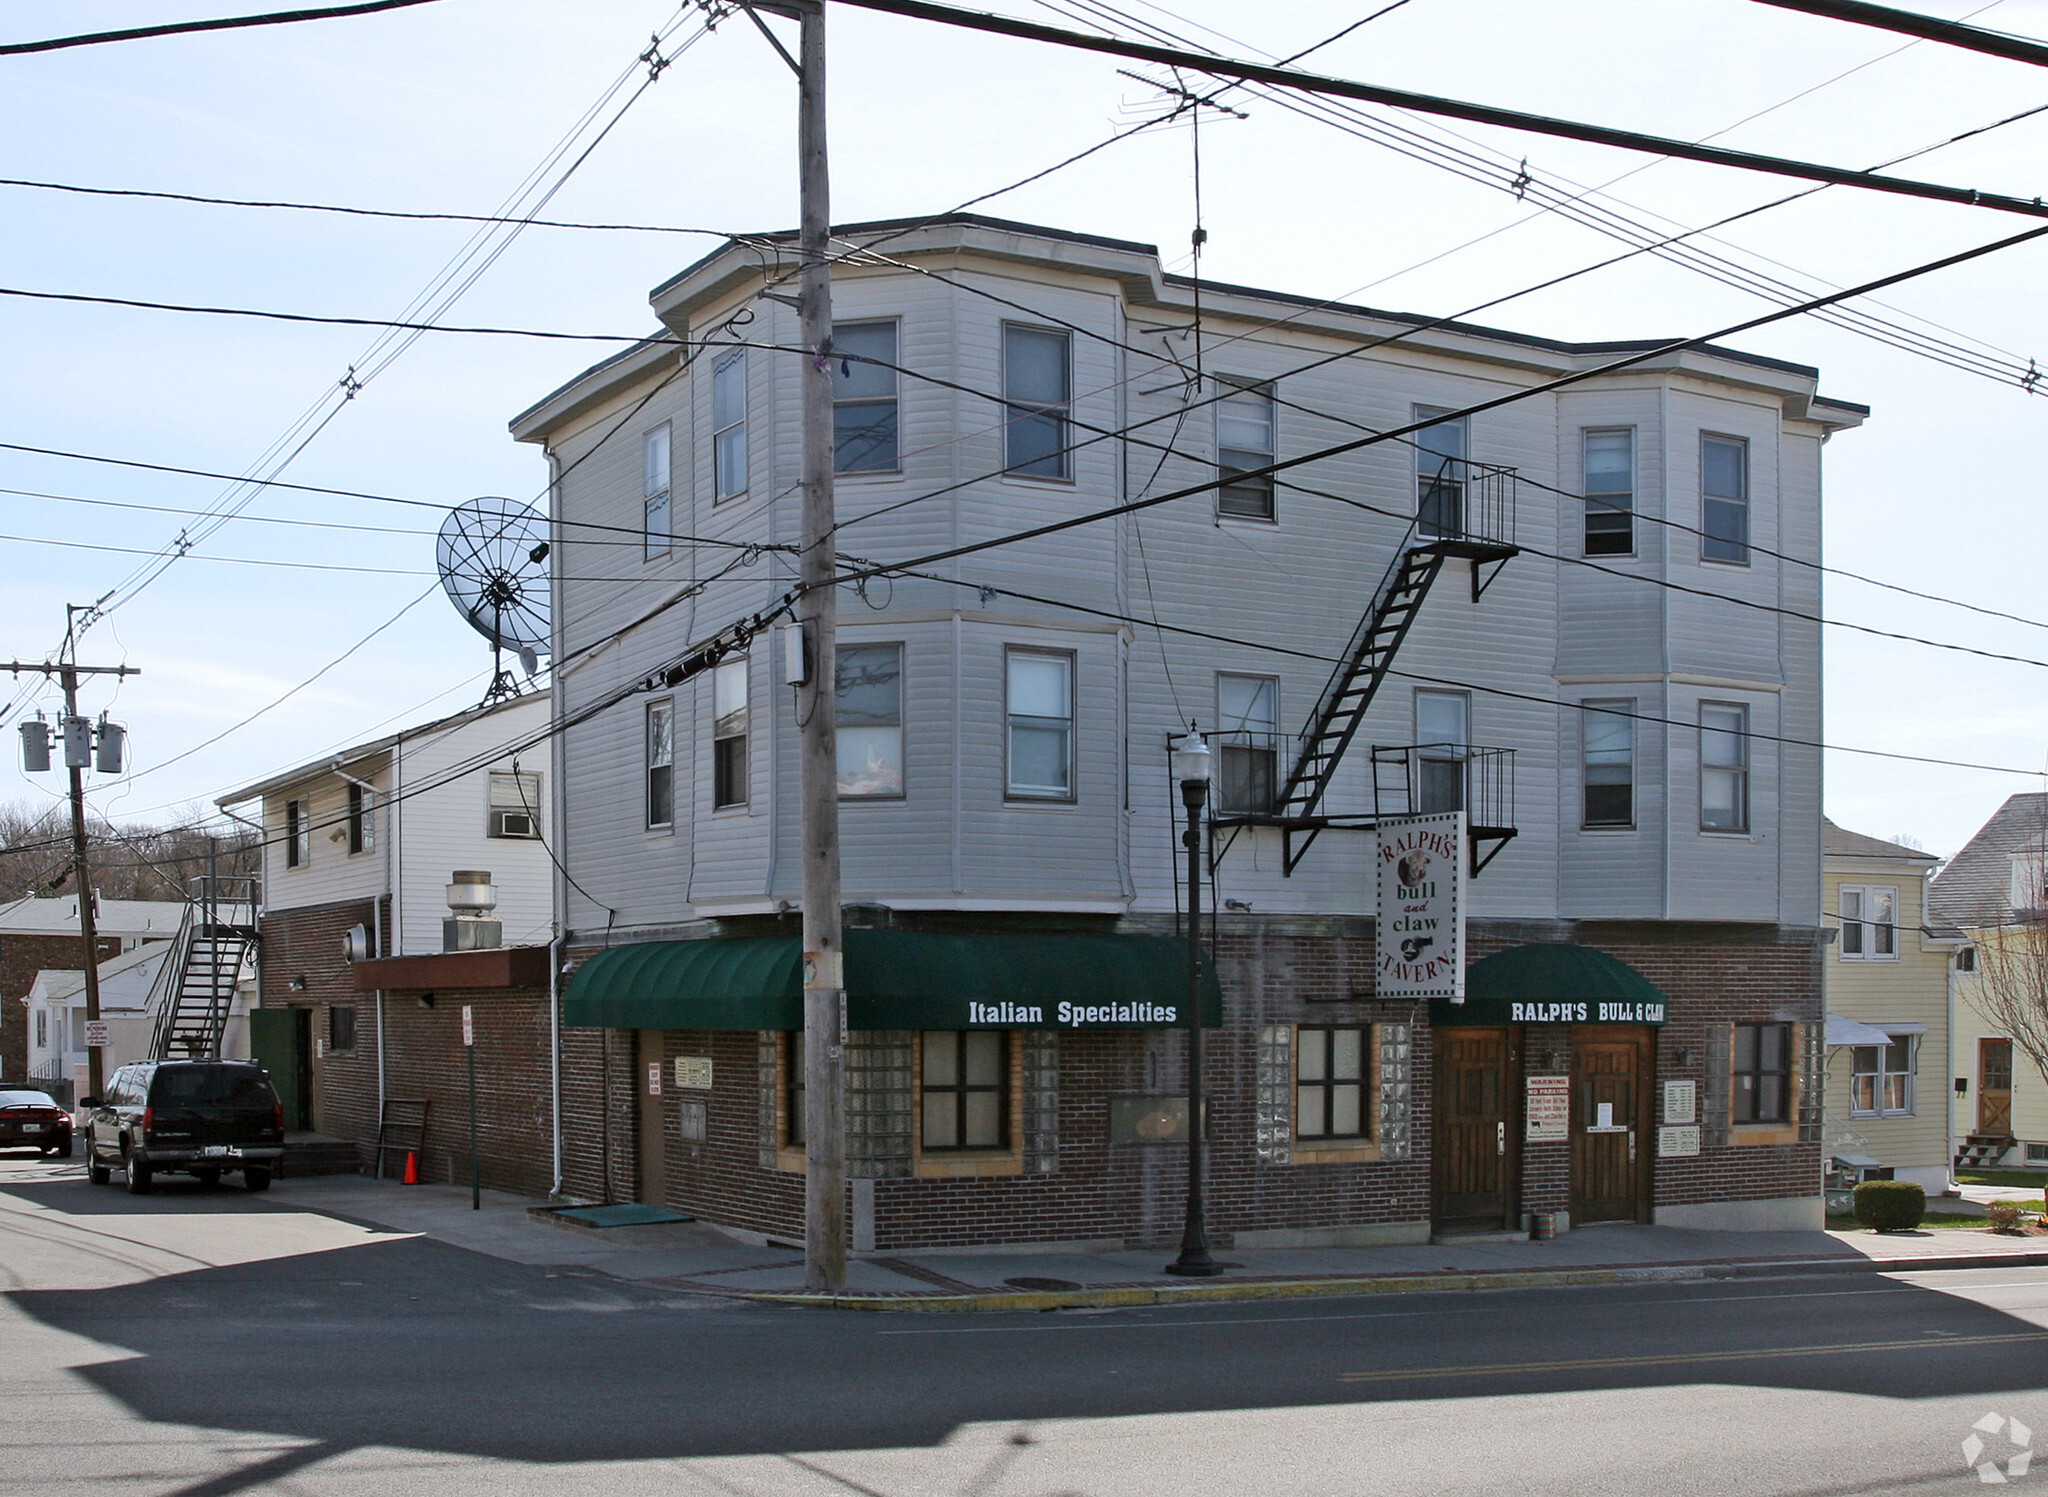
(42, 1029)
(661, 763)
(966, 1089)
(1610, 492)
(1870, 931)
(654, 454)
(1762, 1073)
(793, 1088)
(729, 734)
(1724, 499)
(1244, 441)
(1330, 1083)
(1443, 732)
(1247, 714)
(1041, 724)
(1038, 386)
(1439, 475)
(2037, 1153)
(362, 822)
(515, 804)
(298, 836)
(1966, 959)
(341, 1027)
(870, 717)
(1881, 1078)
(864, 398)
(1608, 764)
(729, 425)
(1724, 768)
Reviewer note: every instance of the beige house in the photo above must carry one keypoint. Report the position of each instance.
(1992, 890)
(1888, 1021)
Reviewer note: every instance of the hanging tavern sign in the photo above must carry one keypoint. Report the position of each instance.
(1419, 933)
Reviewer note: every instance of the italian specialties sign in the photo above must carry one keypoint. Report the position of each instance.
(1419, 926)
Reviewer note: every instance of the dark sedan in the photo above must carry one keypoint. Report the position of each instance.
(34, 1120)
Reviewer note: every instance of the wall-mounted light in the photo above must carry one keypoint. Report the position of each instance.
(426, 1000)
(298, 984)
(1683, 1055)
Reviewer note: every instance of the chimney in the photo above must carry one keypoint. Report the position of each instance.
(471, 898)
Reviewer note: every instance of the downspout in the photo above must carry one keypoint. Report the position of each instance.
(557, 756)
(555, 947)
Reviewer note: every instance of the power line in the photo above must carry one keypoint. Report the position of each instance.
(1932, 28)
(1483, 114)
(183, 28)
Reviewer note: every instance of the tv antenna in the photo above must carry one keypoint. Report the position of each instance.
(492, 553)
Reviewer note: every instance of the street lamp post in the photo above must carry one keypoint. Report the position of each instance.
(1191, 768)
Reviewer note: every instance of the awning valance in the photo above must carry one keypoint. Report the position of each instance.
(1553, 984)
(1843, 1030)
(897, 979)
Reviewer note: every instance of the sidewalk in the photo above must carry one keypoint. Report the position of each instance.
(702, 1259)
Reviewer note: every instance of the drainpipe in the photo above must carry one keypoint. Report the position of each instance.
(555, 947)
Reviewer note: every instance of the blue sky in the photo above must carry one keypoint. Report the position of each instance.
(447, 107)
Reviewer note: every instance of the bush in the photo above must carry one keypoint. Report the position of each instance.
(2004, 1216)
(1890, 1205)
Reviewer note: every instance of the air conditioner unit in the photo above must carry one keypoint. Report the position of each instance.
(514, 824)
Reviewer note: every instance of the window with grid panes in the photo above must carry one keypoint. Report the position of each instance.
(1761, 1076)
(1330, 1082)
(1870, 930)
(1881, 1078)
(966, 1089)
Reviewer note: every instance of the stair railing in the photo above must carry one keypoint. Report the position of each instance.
(166, 990)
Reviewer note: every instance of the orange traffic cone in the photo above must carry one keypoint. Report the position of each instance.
(412, 1168)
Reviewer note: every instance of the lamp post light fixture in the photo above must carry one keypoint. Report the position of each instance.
(1191, 766)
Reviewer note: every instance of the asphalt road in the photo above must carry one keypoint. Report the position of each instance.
(206, 1343)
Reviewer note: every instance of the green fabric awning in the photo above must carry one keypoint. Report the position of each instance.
(1553, 984)
(897, 979)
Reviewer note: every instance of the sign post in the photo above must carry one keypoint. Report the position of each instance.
(476, 1177)
(1419, 929)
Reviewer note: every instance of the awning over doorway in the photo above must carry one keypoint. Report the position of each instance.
(1553, 984)
(897, 979)
(1843, 1030)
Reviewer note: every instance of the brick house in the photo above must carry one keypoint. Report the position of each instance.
(39, 935)
(1633, 750)
(364, 844)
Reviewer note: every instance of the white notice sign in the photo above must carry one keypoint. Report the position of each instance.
(654, 1078)
(96, 1034)
(1419, 934)
(694, 1072)
(468, 1027)
(1678, 1143)
(1681, 1101)
(1549, 1112)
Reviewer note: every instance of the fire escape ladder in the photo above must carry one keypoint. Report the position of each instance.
(195, 990)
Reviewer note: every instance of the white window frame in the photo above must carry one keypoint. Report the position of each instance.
(719, 678)
(1062, 412)
(526, 802)
(1039, 794)
(729, 438)
(1430, 465)
(1243, 389)
(894, 399)
(1865, 938)
(1740, 770)
(298, 833)
(661, 710)
(847, 730)
(1622, 710)
(1746, 502)
(1891, 1094)
(657, 488)
(1601, 504)
(1238, 735)
(1442, 750)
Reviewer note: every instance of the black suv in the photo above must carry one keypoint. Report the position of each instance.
(199, 1117)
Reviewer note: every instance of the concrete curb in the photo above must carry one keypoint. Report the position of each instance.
(1127, 1296)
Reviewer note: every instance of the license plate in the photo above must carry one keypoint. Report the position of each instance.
(220, 1151)
(31, 1127)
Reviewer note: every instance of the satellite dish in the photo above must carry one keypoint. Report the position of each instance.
(492, 553)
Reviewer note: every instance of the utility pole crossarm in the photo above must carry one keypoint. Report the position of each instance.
(43, 668)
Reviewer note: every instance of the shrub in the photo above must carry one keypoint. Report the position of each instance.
(2003, 1215)
(1890, 1205)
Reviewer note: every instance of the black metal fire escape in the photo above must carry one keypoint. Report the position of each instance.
(195, 988)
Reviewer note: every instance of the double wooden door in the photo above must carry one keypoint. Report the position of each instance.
(1614, 1125)
(1477, 1147)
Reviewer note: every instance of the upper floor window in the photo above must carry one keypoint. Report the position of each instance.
(966, 1089)
(1881, 1078)
(1440, 475)
(864, 417)
(1761, 1090)
(1870, 930)
(1038, 386)
(870, 720)
(729, 424)
(298, 835)
(1724, 768)
(1724, 499)
(661, 763)
(1443, 734)
(1611, 492)
(1247, 712)
(1040, 693)
(729, 734)
(515, 804)
(1245, 442)
(362, 823)
(1966, 959)
(655, 487)
(1608, 764)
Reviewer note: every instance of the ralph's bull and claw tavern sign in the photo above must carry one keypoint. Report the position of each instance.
(1419, 933)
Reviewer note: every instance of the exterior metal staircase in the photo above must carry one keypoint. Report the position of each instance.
(195, 989)
(1475, 524)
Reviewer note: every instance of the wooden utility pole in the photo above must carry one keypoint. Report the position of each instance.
(67, 673)
(817, 616)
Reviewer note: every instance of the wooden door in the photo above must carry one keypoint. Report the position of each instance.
(653, 1156)
(1994, 1087)
(1613, 1126)
(1476, 1148)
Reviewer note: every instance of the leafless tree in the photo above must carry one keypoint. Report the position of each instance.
(132, 861)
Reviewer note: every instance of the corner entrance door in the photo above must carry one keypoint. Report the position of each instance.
(1477, 1146)
(1613, 1130)
(653, 1161)
(1994, 1087)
